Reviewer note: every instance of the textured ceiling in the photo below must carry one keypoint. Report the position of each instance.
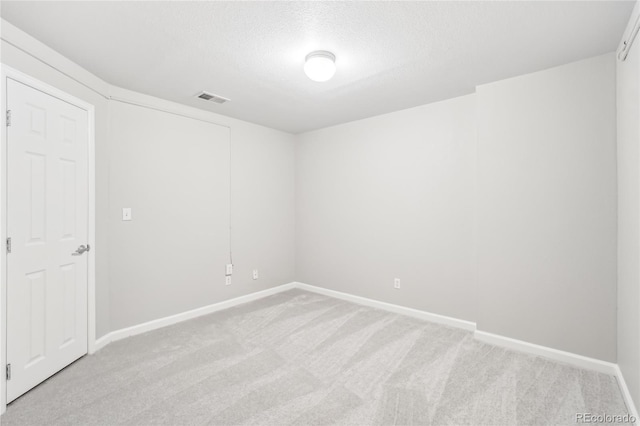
(390, 55)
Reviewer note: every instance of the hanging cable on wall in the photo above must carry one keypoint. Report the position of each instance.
(230, 198)
(626, 45)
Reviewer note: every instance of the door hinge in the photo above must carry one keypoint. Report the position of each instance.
(8, 117)
(9, 245)
(8, 371)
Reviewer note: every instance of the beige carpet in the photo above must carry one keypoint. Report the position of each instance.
(300, 358)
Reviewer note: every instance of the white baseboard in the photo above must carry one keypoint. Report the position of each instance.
(493, 339)
(547, 352)
(101, 343)
(194, 313)
(174, 319)
(570, 358)
(628, 400)
(424, 315)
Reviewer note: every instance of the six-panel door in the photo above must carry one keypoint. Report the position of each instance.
(47, 218)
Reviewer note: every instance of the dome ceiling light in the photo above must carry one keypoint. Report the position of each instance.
(320, 65)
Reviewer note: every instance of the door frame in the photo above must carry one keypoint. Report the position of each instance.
(7, 73)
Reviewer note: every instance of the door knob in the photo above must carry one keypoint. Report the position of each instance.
(81, 250)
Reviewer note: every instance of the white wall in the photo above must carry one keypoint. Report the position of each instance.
(394, 196)
(628, 100)
(163, 257)
(391, 196)
(173, 172)
(547, 208)
(262, 206)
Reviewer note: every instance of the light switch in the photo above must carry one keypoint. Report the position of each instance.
(126, 213)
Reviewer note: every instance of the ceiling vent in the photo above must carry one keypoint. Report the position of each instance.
(212, 98)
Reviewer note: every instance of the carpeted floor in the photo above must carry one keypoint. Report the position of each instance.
(298, 358)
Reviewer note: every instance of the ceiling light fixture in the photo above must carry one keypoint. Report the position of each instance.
(320, 65)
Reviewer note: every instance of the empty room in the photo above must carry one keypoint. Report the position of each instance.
(320, 212)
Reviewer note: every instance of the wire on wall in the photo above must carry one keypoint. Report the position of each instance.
(230, 197)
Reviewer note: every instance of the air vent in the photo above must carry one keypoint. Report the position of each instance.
(212, 98)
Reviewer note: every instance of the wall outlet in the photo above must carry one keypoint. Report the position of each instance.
(229, 270)
(126, 213)
(255, 274)
(227, 280)
(396, 283)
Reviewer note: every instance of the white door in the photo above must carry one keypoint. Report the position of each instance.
(47, 220)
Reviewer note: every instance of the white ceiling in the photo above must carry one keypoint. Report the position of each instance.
(390, 55)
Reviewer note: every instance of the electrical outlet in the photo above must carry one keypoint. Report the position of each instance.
(255, 274)
(229, 269)
(396, 283)
(227, 280)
